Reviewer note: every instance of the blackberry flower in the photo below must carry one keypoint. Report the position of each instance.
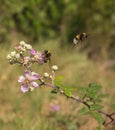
(37, 56)
(28, 81)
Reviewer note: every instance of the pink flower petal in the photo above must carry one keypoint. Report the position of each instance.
(21, 79)
(55, 107)
(34, 84)
(32, 51)
(28, 75)
(24, 88)
(26, 59)
(34, 76)
(27, 72)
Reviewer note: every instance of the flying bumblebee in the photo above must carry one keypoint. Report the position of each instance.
(79, 38)
(46, 55)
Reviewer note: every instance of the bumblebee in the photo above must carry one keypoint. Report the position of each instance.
(80, 37)
(46, 55)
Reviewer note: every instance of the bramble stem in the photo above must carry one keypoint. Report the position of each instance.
(109, 116)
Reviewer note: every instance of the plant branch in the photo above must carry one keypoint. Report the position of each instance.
(77, 99)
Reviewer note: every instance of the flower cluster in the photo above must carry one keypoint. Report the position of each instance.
(16, 55)
(26, 56)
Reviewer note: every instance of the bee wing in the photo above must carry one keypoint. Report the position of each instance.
(75, 41)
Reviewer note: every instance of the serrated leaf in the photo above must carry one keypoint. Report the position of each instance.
(84, 111)
(68, 92)
(98, 117)
(91, 95)
(95, 107)
(93, 87)
(83, 92)
(99, 97)
(93, 90)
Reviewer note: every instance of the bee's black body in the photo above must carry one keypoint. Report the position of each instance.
(46, 55)
(80, 37)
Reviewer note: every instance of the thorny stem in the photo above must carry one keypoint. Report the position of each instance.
(77, 99)
(112, 120)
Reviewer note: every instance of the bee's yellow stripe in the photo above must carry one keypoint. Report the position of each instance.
(78, 37)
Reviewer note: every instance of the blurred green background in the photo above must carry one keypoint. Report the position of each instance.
(53, 25)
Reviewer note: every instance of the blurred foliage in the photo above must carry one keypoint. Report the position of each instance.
(39, 18)
(35, 18)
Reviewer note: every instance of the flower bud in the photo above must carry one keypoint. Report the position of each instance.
(28, 46)
(11, 62)
(46, 75)
(31, 89)
(22, 43)
(55, 67)
(13, 53)
(9, 56)
(51, 77)
(17, 55)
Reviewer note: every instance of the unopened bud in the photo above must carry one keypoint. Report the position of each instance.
(13, 53)
(8, 56)
(55, 67)
(22, 43)
(31, 89)
(17, 56)
(46, 75)
(28, 46)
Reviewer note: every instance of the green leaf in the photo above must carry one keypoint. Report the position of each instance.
(99, 128)
(54, 91)
(93, 87)
(93, 90)
(83, 91)
(58, 81)
(67, 92)
(84, 111)
(95, 107)
(99, 97)
(98, 117)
